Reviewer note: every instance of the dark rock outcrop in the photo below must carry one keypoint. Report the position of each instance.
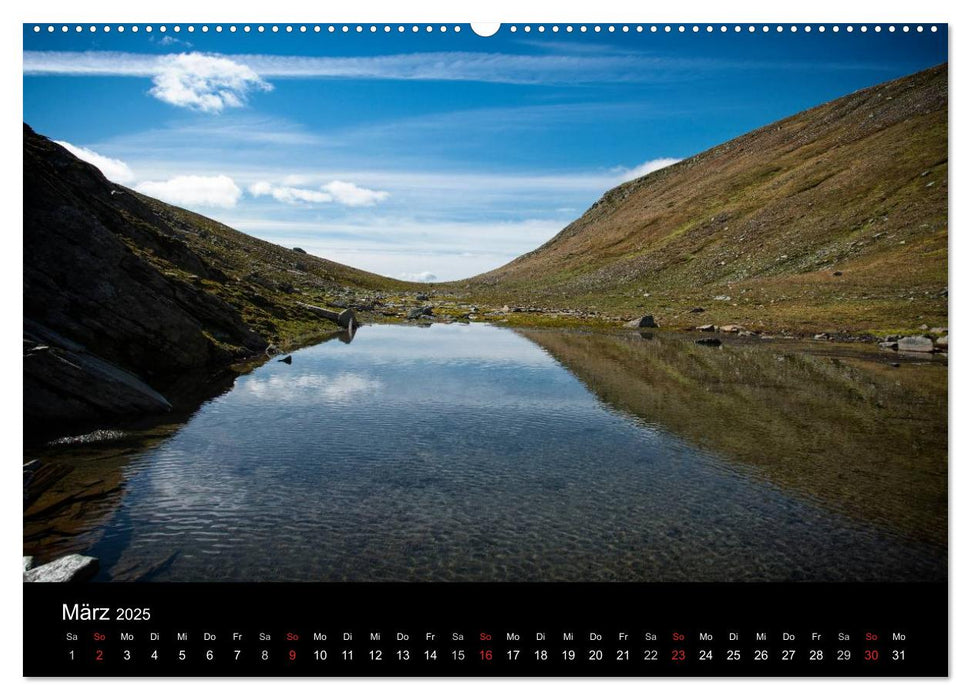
(111, 301)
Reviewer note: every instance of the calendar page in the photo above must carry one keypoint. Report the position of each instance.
(544, 349)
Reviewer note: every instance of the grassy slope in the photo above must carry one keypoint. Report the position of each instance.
(857, 185)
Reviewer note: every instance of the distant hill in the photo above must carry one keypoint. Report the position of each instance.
(835, 218)
(125, 295)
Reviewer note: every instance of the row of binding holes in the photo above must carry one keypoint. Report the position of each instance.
(302, 28)
(414, 28)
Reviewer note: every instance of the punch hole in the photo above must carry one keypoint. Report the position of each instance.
(483, 29)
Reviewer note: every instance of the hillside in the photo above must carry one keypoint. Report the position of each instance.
(125, 296)
(832, 219)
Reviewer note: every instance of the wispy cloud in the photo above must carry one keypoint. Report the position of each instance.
(548, 68)
(112, 168)
(346, 193)
(646, 167)
(390, 244)
(466, 66)
(353, 196)
(194, 190)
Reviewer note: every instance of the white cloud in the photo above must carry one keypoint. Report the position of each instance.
(289, 195)
(418, 276)
(346, 193)
(197, 81)
(646, 167)
(194, 190)
(112, 168)
(204, 82)
(353, 196)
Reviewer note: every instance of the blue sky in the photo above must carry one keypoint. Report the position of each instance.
(425, 155)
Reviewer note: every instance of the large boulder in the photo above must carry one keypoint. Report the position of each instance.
(915, 343)
(420, 311)
(344, 319)
(72, 568)
(347, 319)
(642, 322)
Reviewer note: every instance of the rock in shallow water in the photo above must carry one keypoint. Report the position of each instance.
(69, 569)
(915, 343)
(712, 342)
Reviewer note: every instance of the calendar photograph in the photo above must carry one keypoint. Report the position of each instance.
(522, 304)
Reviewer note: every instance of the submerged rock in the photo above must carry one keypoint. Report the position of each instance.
(70, 569)
(711, 342)
(642, 322)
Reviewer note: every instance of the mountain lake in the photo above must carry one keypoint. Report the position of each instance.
(471, 452)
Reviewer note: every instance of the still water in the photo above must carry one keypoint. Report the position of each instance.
(470, 452)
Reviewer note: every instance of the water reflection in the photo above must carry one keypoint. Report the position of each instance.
(839, 424)
(471, 453)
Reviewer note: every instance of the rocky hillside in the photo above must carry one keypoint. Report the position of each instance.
(124, 296)
(833, 219)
